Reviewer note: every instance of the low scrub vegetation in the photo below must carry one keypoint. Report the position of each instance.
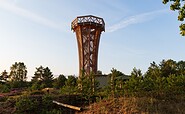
(162, 87)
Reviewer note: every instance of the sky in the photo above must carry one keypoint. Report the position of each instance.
(37, 32)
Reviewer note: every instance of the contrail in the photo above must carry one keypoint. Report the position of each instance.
(135, 19)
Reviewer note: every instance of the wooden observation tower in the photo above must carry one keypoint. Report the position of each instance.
(88, 30)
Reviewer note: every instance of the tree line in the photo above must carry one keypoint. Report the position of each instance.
(43, 78)
(166, 77)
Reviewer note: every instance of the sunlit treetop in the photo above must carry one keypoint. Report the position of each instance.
(180, 6)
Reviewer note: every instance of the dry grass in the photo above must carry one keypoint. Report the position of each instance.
(138, 105)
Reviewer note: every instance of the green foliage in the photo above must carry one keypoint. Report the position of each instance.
(168, 67)
(47, 102)
(88, 86)
(26, 105)
(18, 84)
(85, 85)
(69, 90)
(4, 88)
(153, 71)
(136, 73)
(54, 111)
(178, 5)
(176, 84)
(43, 76)
(38, 74)
(180, 68)
(166, 78)
(70, 86)
(71, 81)
(59, 82)
(4, 76)
(47, 77)
(133, 85)
(36, 86)
(116, 82)
(104, 92)
(3, 99)
(18, 72)
(182, 29)
(35, 105)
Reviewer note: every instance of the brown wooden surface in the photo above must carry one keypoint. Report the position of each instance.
(88, 30)
(68, 106)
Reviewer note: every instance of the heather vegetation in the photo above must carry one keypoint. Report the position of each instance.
(161, 87)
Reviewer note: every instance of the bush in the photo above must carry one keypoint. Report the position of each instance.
(47, 102)
(69, 90)
(35, 86)
(26, 105)
(36, 105)
(3, 98)
(4, 88)
(54, 111)
(18, 84)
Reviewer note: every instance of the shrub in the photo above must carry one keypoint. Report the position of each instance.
(36, 104)
(35, 86)
(68, 90)
(26, 105)
(18, 84)
(47, 102)
(54, 111)
(4, 88)
(3, 98)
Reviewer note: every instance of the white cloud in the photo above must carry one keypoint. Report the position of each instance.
(4, 4)
(134, 20)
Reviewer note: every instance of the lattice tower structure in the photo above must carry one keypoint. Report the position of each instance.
(88, 31)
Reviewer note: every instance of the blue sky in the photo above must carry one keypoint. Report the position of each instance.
(37, 32)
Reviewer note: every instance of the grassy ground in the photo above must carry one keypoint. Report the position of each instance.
(138, 105)
(150, 104)
(8, 101)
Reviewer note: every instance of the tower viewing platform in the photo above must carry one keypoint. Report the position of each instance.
(88, 20)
